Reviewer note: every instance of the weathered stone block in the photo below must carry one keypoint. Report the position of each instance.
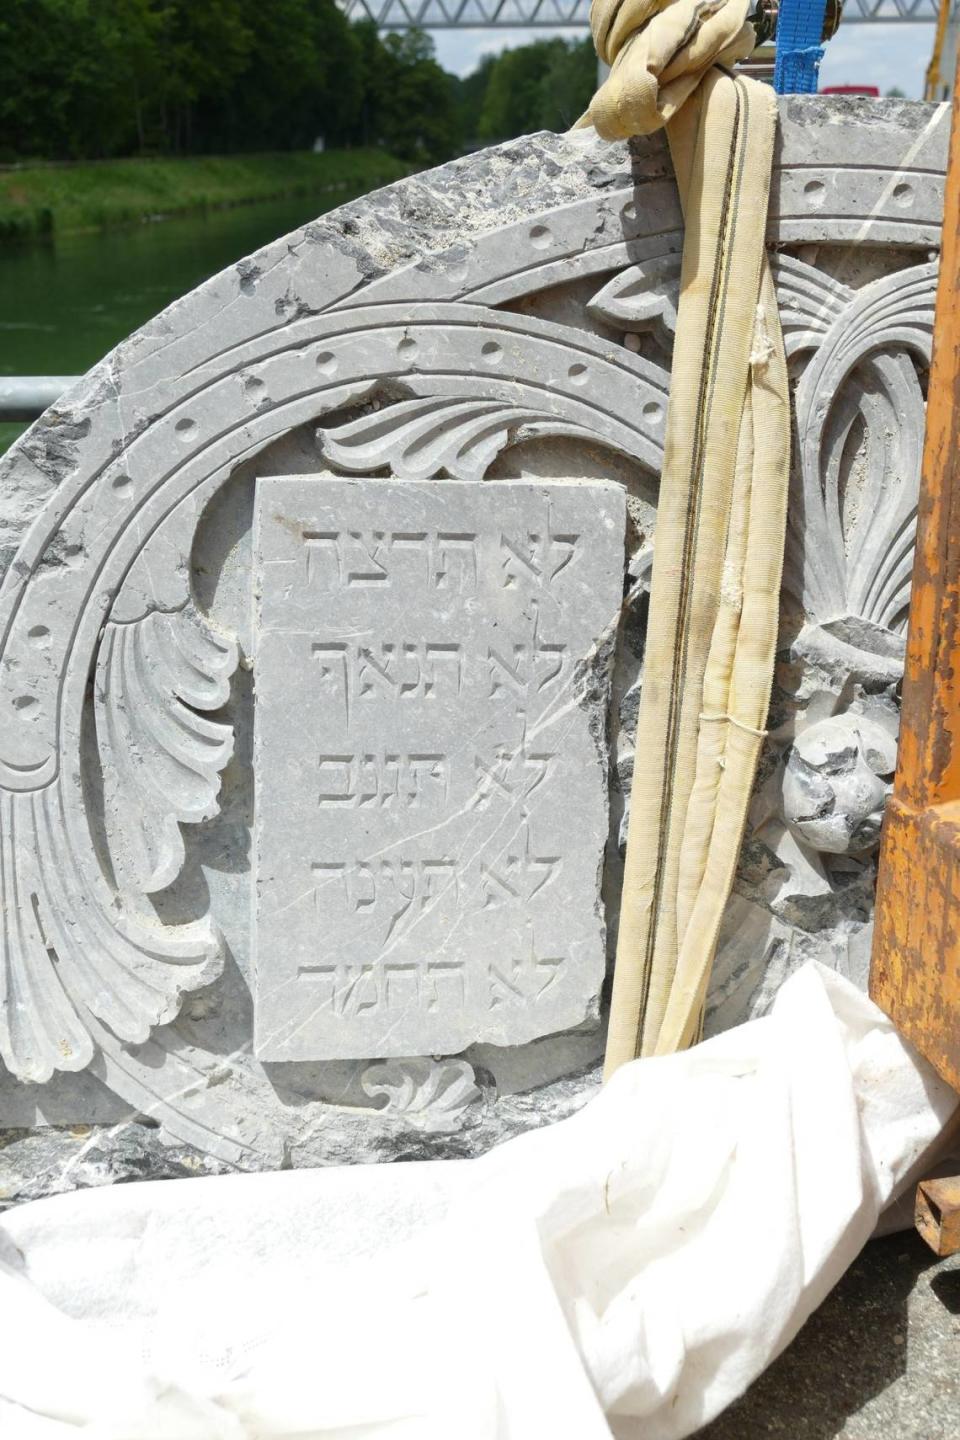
(507, 319)
(430, 761)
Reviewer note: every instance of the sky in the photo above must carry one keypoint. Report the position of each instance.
(877, 54)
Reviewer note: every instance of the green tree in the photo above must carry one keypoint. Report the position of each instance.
(302, 79)
(104, 77)
(91, 78)
(418, 112)
(543, 86)
(567, 86)
(198, 53)
(469, 94)
(67, 74)
(511, 105)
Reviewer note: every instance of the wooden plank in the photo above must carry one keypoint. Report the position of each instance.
(915, 972)
(937, 1214)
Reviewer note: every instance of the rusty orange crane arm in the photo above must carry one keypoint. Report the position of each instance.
(915, 973)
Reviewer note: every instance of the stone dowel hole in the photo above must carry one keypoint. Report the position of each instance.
(39, 635)
(540, 237)
(254, 388)
(579, 374)
(327, 362)
(185, 428)
(492, 352)
(815, 191)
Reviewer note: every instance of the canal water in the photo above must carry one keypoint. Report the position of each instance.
(63, 305)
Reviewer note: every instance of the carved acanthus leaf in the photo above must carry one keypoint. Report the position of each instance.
(74, 945)
(429, 1095)
(161, 760)
(643, 297)
(809, 302)
(69, 950)
(853, 512)
(437, 435)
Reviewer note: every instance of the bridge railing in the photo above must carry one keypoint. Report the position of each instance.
(24, 397)
(553, 14)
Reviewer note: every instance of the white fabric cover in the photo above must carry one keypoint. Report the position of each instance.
(626, 1273)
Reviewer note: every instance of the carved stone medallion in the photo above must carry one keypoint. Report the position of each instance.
(468, 341)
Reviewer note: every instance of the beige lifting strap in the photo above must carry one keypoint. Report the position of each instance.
(718, 553)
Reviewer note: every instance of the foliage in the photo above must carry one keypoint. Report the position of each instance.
(470, 93)
(407, 101)
(544, 86)
(100, 78)
(95, 79)
(42, 198)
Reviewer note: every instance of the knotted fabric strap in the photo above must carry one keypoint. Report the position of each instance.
(711, 636)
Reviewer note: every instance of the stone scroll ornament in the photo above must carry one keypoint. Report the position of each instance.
(509, 318)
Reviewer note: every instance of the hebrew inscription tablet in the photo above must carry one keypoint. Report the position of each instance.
(429, 795)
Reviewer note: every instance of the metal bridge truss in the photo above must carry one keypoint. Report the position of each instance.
(552, 14)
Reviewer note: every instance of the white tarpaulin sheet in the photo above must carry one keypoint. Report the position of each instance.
(627, 1272)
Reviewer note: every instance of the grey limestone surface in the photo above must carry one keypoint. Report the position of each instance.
(503, 321)
(430, 764)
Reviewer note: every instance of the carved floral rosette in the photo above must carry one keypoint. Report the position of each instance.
(509, 316)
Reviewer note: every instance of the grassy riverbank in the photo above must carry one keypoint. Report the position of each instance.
(47, 199)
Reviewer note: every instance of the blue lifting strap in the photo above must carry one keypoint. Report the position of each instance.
(799, 51)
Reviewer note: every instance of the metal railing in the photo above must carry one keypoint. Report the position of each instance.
(551, 14)
(24, 397)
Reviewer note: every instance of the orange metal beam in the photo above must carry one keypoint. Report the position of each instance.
(937, 1214)
(915, 972)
